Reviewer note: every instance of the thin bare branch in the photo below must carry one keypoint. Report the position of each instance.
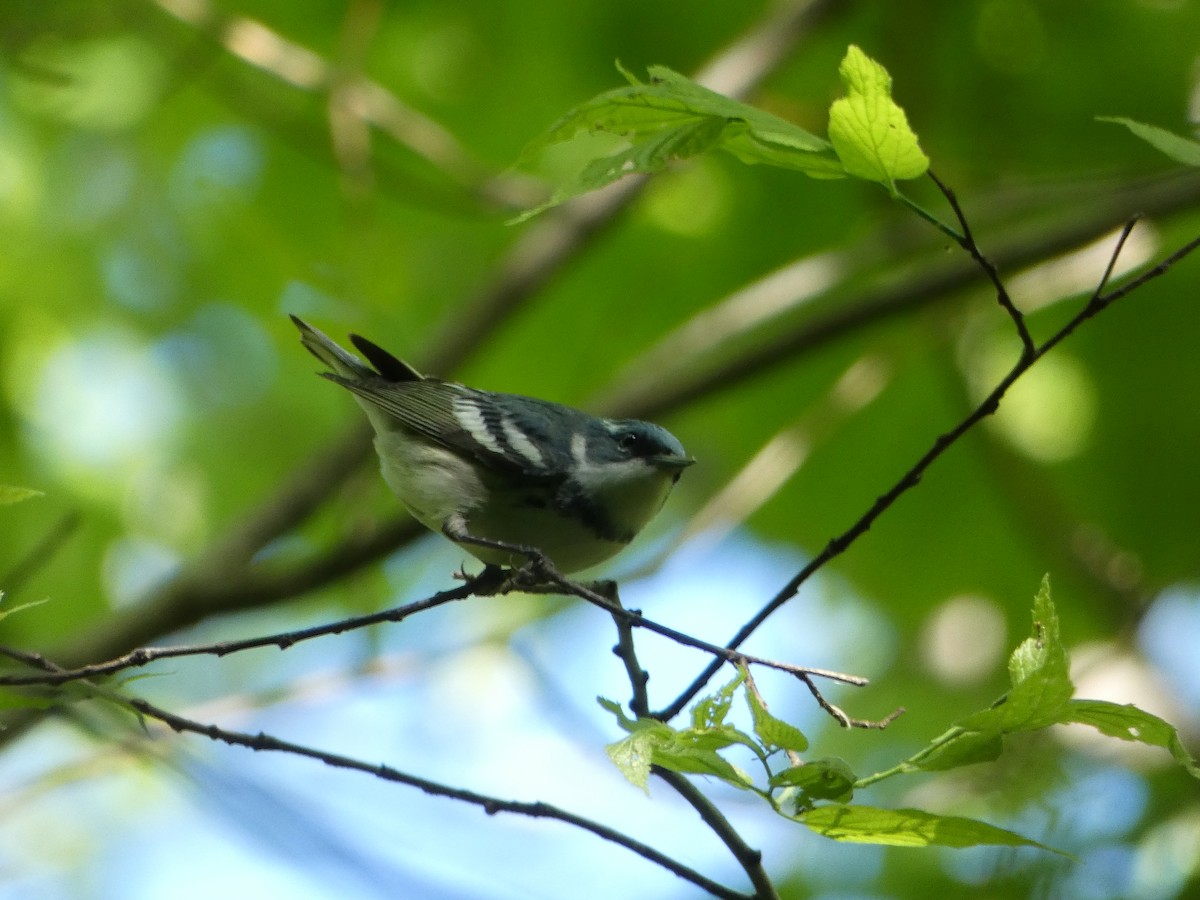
(639, 702)
(546, 574)
(1116, 253)
(491, 805)
(968, 243)
(747, 857)
(838, 713)
(52, 674)
(492, 581)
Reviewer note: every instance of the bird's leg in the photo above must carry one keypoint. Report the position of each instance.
(537, 570)
(491, 581)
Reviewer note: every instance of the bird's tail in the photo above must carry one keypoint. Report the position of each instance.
(346, 364)
(324, 348)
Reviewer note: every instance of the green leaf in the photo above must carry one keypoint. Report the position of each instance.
(654, 743)
(10, 494)
(1039, 670)
(697, 755)
(1181, 149)
(819, 779)
(1040, 673)
(775, 734)
(633, 757)
(908, 828)
(709, 712)
(868, 129)
(1129, 723)
(694, 750)
(769, 129)
(964, 749)
(672, 118)
(619, 712)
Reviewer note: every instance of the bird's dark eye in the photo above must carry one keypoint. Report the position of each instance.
(630, 442)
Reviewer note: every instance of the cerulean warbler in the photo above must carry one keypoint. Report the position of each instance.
(498, 472)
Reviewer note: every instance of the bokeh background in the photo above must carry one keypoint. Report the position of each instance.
(177, 175)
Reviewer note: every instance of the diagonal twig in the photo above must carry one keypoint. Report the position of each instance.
(967, 242)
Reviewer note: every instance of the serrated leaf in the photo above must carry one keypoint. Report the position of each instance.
(672, 118)
(633, 757)
(11, 493)
(770, 129)
(1040, 673)
(868, 128)
(1181, 149)
(1043, 650)
(651, 155)
(716, 738)
(1129, 723)
(695, 759)
(694, 751)
(775, 734)
(819, 779)
(710, 711)
(653, 743)
(1040, 670)
(1041, 691)
(908, 828)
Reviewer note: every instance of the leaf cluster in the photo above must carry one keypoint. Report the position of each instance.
(817, 792)
(671, 118)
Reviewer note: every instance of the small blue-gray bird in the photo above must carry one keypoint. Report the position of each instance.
(500, 474)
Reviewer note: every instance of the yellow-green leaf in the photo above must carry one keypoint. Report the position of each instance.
(868, 129)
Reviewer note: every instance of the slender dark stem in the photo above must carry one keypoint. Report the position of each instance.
(967, 242)
(845, 720)
(748, 858)
(723, 654)
(639, 701)
(1126, 230)
(51, 674)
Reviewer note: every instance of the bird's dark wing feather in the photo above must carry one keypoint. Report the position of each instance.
(427, 407)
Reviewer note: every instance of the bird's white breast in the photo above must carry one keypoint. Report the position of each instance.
(432, 482)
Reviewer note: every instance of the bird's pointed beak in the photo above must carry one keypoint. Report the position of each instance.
(672, 462)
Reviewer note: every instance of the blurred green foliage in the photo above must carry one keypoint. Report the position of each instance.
(176, 176)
